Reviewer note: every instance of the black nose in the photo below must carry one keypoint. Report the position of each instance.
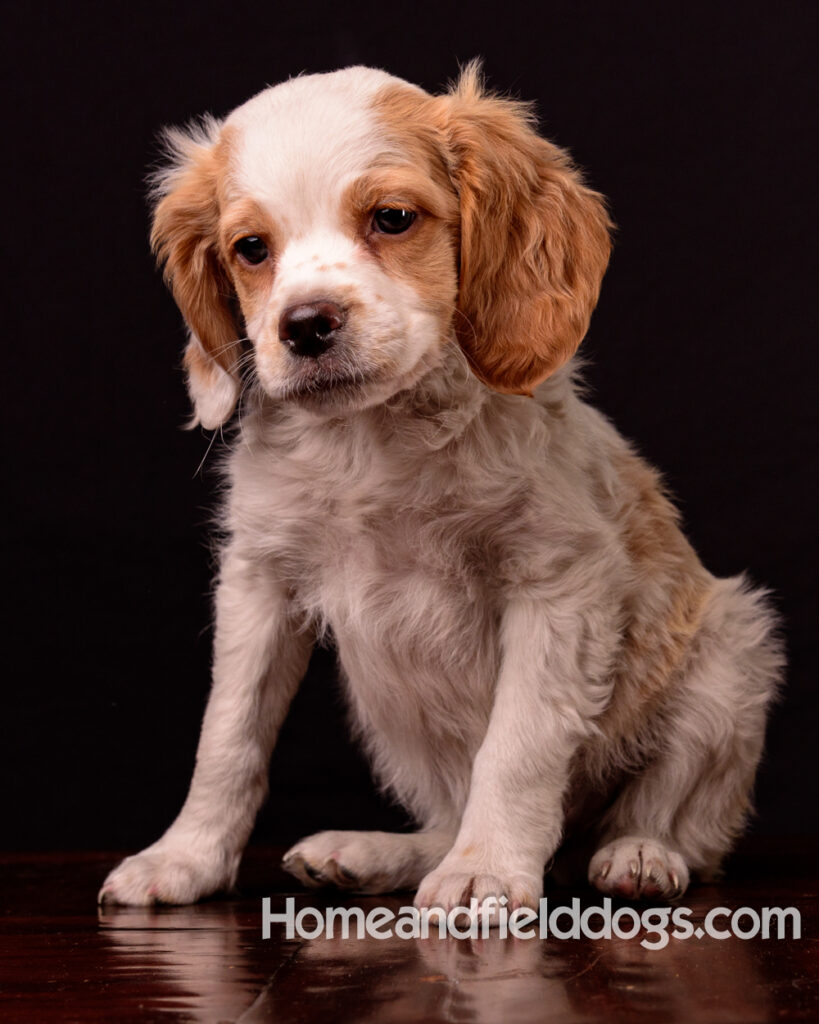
(311, 328)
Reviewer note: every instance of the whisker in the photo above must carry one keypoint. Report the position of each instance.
(207, 452)
(246, 369)
(227, 347)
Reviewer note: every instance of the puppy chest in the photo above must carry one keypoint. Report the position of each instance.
(404, 597)
(419, 652)
(418, 586)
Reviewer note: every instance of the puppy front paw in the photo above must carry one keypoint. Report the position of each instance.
(457, 880)
(367, 862)
(331, 858)
(167, 873)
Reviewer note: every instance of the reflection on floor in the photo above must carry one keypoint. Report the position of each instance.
(64, 960)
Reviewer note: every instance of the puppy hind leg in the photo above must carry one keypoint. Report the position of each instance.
(682, 814)
(734, 685)
(685, 811)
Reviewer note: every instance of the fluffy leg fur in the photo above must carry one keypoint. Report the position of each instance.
(259, 660)
(513, 819)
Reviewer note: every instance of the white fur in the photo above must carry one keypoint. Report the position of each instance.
(462, 548)
(303, 140)
(213, 396)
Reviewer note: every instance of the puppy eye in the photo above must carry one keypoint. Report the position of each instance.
(252, 249)
(390, 220)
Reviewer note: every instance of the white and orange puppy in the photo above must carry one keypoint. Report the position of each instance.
(399, 282)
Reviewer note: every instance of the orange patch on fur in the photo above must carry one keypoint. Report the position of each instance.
(667, 606)
(185, 238)
(414, 175)
(252, 283)
(533, 240)
(242, 217)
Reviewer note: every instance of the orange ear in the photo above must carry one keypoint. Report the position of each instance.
(534, 240)
(185, 239)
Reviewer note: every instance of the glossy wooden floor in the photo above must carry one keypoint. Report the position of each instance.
(62, 960)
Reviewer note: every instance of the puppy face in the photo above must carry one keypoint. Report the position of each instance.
(359, 278)
(351, 225)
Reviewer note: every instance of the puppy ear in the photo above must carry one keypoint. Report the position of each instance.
(184, 238)
(534, 240)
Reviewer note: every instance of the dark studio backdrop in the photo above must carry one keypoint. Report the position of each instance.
(693, 122)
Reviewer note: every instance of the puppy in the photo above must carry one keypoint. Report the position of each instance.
(391, 286)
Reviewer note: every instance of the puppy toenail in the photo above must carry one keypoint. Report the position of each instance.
(314, 873)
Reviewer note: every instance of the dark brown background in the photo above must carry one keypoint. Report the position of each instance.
(693, 122)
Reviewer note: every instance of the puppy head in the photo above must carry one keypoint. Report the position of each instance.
(350, 225)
